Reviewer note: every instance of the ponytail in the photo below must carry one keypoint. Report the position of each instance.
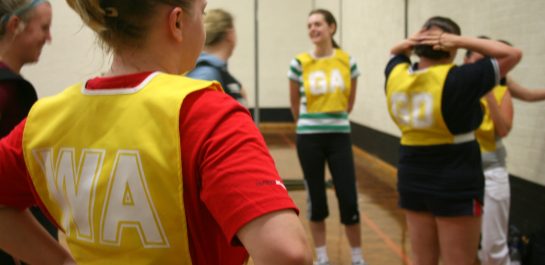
(335, 45)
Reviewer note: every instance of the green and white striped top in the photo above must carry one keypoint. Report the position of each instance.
(324, 122)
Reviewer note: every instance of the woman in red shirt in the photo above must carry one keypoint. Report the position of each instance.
(123, 167)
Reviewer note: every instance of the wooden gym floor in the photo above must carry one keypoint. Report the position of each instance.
(385, 238)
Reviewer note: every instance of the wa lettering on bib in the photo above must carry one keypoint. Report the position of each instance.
(127, 204)
(107, 166)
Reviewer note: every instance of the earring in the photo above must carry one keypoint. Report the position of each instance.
(20, 27)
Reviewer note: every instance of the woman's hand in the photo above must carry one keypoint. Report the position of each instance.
(438, 39)
(406, 46)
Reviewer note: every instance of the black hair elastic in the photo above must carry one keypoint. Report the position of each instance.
(109, 11)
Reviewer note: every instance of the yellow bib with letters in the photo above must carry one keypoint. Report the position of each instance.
(107, 165)
(414, 104)
(326, 81)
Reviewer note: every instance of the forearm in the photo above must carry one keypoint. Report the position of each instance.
(24, 238)
(351, 100)
(294, 99)
(405, 47)
(352, 97)
(525, 94)
(295, 113)
(502, 117)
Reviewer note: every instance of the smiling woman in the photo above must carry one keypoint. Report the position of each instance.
(24, 29)
(322, 86)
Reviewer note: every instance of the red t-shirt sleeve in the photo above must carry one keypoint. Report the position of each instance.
(15, 190)
(227, 161)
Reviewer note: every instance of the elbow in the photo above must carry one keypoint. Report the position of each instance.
(510, 61)
(503, 132)
(295, 254)
(517, 56)
(302, 256)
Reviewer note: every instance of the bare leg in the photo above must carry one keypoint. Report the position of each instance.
(318, 233)
(353, 233)
(424, 239)
(459, 239)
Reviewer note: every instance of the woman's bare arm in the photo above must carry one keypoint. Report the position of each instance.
(23, 237)
(276, 238)
(294, 99)
(523, 93)
(501, 113)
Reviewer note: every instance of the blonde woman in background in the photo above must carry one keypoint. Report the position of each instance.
(221, 39)
(24, 30)
(105, 156)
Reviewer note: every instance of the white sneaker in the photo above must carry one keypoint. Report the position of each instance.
(360, 262)
(321, 263)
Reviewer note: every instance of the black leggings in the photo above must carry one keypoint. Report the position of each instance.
(313, 151)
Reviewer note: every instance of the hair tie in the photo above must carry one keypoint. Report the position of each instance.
(110, 12)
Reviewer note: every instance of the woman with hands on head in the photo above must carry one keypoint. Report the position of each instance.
(436, 106)
(104, 157)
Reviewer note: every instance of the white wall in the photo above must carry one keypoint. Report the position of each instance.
(368, 28)
(282, 35)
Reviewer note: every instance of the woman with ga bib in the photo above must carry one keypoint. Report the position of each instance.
(322, 91)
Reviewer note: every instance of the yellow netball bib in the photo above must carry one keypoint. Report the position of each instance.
(486, 134)
(414, 103)
(326, 81)
(107, 165)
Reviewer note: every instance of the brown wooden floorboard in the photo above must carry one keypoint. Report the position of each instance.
(384, 235)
